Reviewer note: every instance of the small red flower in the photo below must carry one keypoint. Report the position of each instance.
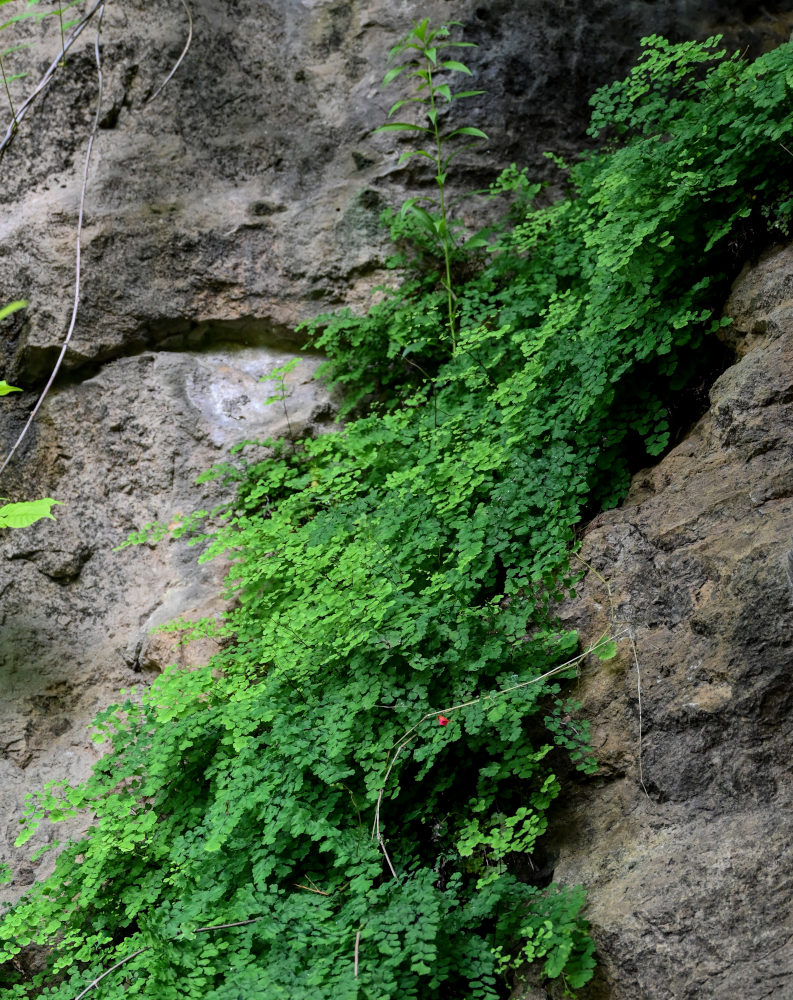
(442, 720)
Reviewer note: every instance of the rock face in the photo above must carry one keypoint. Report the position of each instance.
(239, 202)
(122, 449)
(248, 192)
(689, 875)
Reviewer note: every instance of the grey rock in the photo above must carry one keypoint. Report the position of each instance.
(121, 449)
(683, 837)
(248, 193)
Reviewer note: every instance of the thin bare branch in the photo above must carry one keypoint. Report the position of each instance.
(78, 256)
(23, 109)
(412, 733)
(128, 958)
(98, 980)
(639, 699)
(357, 947)
(178, 62)
(222, 927)
(319, 892)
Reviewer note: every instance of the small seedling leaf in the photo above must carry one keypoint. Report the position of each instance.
(12, 307)
(607, 651)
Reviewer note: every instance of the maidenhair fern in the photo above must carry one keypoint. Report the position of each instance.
(338, 805)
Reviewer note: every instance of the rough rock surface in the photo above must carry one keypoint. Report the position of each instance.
(249, 190)
(242, 200)
(122, 449)
(690, 878)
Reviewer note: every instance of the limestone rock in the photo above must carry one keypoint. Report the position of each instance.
(122, 449)
(248, 192)
(689, 875)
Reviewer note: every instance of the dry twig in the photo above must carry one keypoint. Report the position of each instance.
(629, 631)
(46, 79)
(128, 958)
(76, 305)
(178, 62)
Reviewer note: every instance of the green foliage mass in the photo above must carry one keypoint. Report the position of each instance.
(421, 56)
(384, 665)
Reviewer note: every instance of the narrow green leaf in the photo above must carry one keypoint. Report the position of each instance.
(5, 388)
(414, 152)
(16, 48)
(12, 307)
(401, 127)
(467, 93)
(475, 243)
(458, 67)
(399, 104)
(467, 130)
(425, 220)
(392, 74)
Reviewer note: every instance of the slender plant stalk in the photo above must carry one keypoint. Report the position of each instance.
(178, 62)
(420, 56)
(8, 95)
(440, 177)
(63, 39)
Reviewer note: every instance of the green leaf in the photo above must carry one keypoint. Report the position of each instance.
(401, 103)
(606, 651)
(468, 130)
(12, 307)
(456, 66)
(414, 152)
(401, 127)
(392, 74)
(26, 512)
(426, 220)
(5, 388)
